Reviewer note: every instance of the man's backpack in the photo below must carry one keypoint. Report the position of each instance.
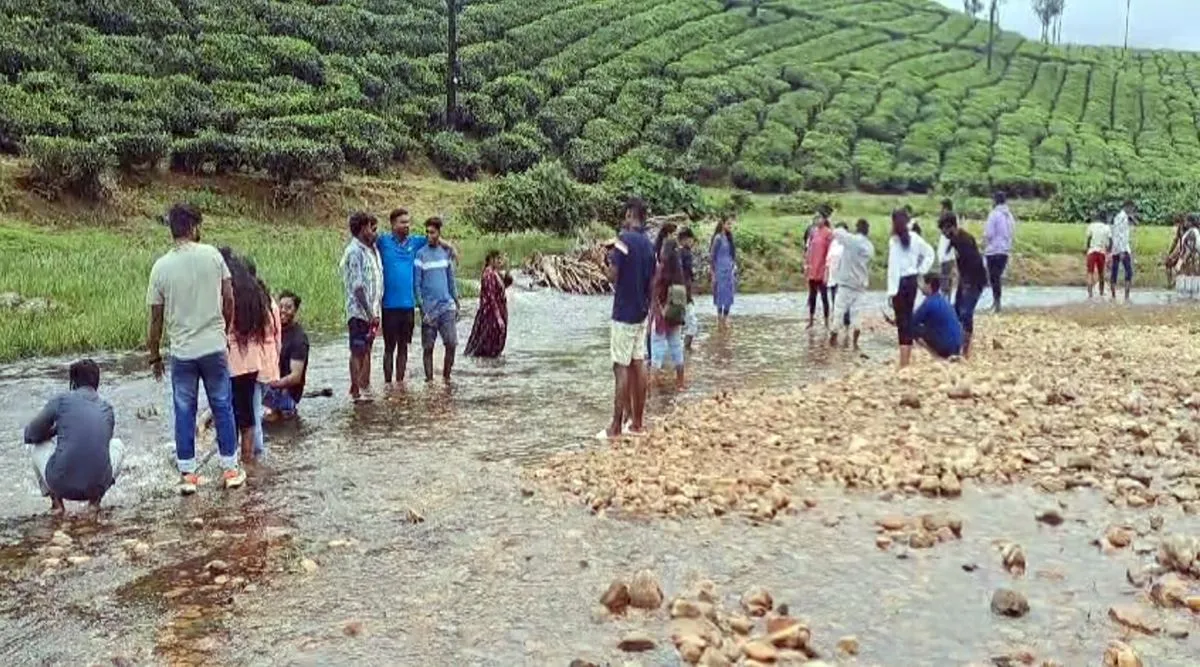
(676, 310)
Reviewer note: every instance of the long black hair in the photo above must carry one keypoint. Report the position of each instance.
(720, 230)
(671, 263)
(664, 233)
(252, 305)
(900, 227)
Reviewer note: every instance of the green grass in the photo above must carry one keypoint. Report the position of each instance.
(97, 277)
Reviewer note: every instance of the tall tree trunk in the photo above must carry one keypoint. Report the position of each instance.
(1127, 3)
(452, 66)
(991, 33)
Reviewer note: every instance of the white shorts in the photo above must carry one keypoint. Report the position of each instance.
(627, 342)
(691, 325)
(40, 455)
(849, 300)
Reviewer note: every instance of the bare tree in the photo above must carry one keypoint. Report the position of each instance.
(993, 19)
(1048, 12)
(972, 7)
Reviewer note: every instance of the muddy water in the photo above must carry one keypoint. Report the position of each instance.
(326, 564)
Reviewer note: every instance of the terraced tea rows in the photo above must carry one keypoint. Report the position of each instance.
(881, 95)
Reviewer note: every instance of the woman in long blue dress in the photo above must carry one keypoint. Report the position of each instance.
(723, 257)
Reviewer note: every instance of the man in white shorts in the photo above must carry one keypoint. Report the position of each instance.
(631, 270)
(70, 442)
(853, 277)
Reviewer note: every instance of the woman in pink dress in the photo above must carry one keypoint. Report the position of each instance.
(815, 258)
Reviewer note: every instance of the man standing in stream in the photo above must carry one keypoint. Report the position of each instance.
(1122, 248)
(191, 293)
(438, 295)
(997, 244)
(362, 277)
(631, 271)
(397, 252)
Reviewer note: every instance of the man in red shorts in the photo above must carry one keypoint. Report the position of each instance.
(1099, 242)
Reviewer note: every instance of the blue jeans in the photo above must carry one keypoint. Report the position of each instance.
(186, 375)
(260, 448)
(661, 343)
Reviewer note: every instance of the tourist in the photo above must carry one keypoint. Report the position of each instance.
(665, 233)
(815, 257)
(853, 277)
(283, 396)
(832, 257)
(397, 251)
(1122, 250)
(909, 257)
(723, 263)
(1185, 260)
(997, 244)
(85, 459)
(438, 294)
(972, 275)
(819, 220)
(691, 325)
(630, 270)
(935, 324)
(490, 330)
(1180, 227)
(191, 294)
(668, 312)
(945, 253)
(362, 277)
(1099, 244)
(253, 348)
(270, 361)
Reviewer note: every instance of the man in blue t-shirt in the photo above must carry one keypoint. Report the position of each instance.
(397, 252)
(438, 294)
(631, 270)
(935, 324)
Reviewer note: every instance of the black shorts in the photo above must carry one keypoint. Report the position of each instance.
(398, 326)
(243, 398)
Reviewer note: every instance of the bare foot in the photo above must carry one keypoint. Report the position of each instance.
(57, 508)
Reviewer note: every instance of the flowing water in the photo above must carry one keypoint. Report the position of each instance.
(396, 532)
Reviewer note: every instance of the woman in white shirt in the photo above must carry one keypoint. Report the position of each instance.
(909, 257)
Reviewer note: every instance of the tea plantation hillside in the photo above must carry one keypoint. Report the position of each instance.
(879, 95)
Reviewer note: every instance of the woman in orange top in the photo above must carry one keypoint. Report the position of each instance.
(815, 258)
(252, 339)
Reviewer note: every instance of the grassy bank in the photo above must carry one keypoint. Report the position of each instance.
(92, 262)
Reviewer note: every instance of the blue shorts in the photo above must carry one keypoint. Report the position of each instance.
(662, 343)
(1123, 259)
(964, 305)
(361, 335)
(445, 326)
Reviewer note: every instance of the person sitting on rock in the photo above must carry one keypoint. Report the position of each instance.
(935, 324)
(85, 461)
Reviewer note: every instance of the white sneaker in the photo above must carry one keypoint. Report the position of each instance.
(188, 483)
(234, 478)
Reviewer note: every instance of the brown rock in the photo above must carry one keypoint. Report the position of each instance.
(706, 591)
(1134, 618)
(644, 591)
(352, 628)
(760, 651)
(1170, 591)
(757, 602)
(636, 641)
(910, 401)
(1050, 517)
(1007, 602)
(1119, 536)
(616, 598)
(883, 542)
(930, 485)
(1013, 558)
(691, 648)
(1120, 654)
(921, 540)
(950, 486)
(216, 566)
(685, 608)
(713, 657)
(892, 522)
(787, 632)
(1192, 602)
(848, 645)
(741, 625)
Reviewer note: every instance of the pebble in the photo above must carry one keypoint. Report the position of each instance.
(1013, 558)
(1120, 654)
(61, 539)
(78, 560)
(616, 598)
(308, 565)
(217, 566)
(1135, 618)
(1119, 536)
(883, 542)
(197, 523)
(644, 591)
(1050, 517)
(760, 650)
(352, 628)
(141, 549)
(848, 645)
(757, 602)
(221, 579)
(1007, 602)
(636, 641)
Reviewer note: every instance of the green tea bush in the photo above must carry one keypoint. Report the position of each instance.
(514, 151)
(544, 198)
(454, 156)
(294, 160)
(628, 177)
(64, 165)
(216, 152)
(139, 152)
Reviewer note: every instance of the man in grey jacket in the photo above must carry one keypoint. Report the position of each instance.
(85, 460)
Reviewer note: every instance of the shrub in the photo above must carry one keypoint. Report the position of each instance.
(765, 177)
(543, 198)
(517, 150)
(138, 152)
(801, 203)
(454, 156)
(215, 152)
(302, 160)
(627, 177)
(80, 168)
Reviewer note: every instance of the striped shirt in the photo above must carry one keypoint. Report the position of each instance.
(434, 273)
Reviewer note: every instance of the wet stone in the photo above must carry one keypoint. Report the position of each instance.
(848, 645)
(1135, 618)
(644, 591)
(1007, 602)
(635, 642)
(757, 602)
(616, 598)
(1050, 516)
(1120, 654)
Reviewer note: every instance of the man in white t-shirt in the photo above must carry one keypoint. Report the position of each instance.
(1122, 248)
(191, 293)
(1099, 244)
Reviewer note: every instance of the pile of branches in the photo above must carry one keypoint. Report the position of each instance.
(584, 271)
